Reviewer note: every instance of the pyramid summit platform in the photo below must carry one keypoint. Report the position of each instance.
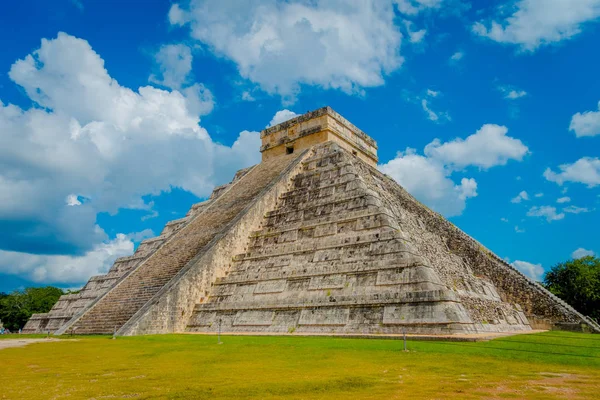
(313, 240)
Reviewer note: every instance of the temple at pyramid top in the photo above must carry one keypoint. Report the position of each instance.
(314, 127)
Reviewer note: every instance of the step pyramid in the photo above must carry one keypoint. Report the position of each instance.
(312, 240)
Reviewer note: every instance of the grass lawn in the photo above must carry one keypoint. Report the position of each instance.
(538, 366)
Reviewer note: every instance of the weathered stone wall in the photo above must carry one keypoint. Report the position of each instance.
(316, 127)
(542, 308)
(170, 309)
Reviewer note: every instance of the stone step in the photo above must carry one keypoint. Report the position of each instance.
(390, 266)
(328, 248)
(348, 216)
(430, 296)
(341, 219)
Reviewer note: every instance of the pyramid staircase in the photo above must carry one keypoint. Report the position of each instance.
(333, 257)
(70, 305)
(111, 311)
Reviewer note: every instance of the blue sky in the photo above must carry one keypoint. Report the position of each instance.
(116, 119)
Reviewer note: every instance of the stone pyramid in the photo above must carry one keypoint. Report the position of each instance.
(314, 240)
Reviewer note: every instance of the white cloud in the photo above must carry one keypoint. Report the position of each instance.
(581, 252)
(533, 271)
(428, 177)
(426, 106)
(414, 36)
(565, 199)
(429, 181)
(586, 124)
(200, 100)
(547, 212)
(139, 236)
(539, 195)
(282, 116)
(66, 269)
(519, 230)
(413, 7)
(72, 200)
(281, 45)
(511, 93)
(575, 210)
(504, 219)
(486, 148)
(520, 197)
(534, 23)
(106, 143)
(456, 57)
(586, 170)
(247, 96)
(175, 64)
(432, 115)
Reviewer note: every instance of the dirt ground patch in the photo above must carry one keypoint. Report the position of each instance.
(8, 343)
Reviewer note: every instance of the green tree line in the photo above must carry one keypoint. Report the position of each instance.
(18, 306)
(578, 283)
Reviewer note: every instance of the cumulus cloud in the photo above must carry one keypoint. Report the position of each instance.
(174, 62)
(586, 123)
(282, 45)
(519, 230)
(539, 195)
(547, 212)
(428, 176)
(565, 199)
(533, 271)
(429, 181)
(586, 170)
(520, 197)
(66, 269)
(581, 252)
(282, 116)
(90, 138)
(535, 23)
(486, 148)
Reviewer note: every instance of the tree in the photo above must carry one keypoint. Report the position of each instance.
(17, 307)
(578, 283)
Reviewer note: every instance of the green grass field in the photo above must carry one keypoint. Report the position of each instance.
(549, 365)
